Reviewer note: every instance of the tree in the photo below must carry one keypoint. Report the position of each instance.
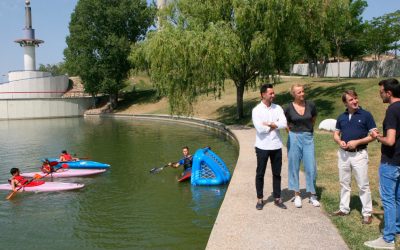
(311, 32)
(101, 33)
(394, 22)
(379, 37)
(202, 43)
(54, 69)
(354, 45)
(338, 19)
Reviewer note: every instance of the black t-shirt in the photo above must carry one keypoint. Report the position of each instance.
(301, 123)
(391, 154)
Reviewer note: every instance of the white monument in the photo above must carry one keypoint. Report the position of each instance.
(36, 94)
(30, 83)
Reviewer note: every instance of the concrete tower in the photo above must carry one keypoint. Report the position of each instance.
(29, 42)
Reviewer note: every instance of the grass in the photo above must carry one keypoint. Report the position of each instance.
(326, 93)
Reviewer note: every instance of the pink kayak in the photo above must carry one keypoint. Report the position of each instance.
(46, 187)
(65, 173)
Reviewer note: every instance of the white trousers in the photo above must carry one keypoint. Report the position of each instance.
(358, 163)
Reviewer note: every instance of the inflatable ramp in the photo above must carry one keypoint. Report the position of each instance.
(208, 169)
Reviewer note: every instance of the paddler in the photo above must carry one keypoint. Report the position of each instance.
(16, 180)
(186, 161)
(65, 156)
(47, 167)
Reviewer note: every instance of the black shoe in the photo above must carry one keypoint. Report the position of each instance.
(280, 204)
(260, 205)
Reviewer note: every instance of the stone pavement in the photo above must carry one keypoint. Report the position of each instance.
(240, 226)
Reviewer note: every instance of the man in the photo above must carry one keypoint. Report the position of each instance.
(352, 134)
(389, 169)
(186, 161)
(268, 118)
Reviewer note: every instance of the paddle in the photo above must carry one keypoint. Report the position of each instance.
(35, 177)
(157, 170)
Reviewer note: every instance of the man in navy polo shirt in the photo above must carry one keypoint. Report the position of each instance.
(352, 134)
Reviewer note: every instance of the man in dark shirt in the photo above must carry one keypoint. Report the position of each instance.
(352, 135)
(389, 169)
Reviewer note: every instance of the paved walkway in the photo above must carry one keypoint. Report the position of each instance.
(240, 226)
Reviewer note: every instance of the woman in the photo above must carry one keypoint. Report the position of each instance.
(301, 115)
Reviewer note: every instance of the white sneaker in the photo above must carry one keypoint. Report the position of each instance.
(314, 201)
(379, 243)
(297, 201)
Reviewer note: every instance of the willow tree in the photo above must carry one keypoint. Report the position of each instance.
(101, 33)
(202, 43)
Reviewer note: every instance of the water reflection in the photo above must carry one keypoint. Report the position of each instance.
(205, 200)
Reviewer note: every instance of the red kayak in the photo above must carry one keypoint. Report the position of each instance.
(186, 175)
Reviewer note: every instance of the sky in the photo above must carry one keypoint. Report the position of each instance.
(50, 19)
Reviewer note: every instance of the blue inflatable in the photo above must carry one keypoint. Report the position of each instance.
(208, 169)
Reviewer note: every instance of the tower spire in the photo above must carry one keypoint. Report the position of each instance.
(29, 42)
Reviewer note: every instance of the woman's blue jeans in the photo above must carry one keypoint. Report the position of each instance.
(389, 180)
(300, 147)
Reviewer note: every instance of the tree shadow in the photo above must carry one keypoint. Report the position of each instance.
(355, 204)
(138, 97)
(227, 114)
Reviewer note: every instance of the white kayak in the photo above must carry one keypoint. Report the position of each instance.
(46, 187)
(65, 173)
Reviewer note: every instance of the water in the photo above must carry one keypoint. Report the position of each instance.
(124, 208)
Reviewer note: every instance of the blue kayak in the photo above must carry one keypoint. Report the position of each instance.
(79, 164)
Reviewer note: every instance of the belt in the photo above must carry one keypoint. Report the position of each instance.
(356, 149)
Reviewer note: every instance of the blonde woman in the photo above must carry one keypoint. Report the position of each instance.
(301, 115)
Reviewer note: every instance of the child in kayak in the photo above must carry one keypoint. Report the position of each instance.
(67, 157)
(47, 167)
(17, 181)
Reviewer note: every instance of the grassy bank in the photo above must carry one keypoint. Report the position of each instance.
(326, 93)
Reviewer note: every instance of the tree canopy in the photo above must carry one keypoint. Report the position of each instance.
(101, 33)
(202, 43)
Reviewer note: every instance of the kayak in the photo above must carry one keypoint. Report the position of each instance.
(186, 175)
(65, 173)
(79, 164)
(46, 187)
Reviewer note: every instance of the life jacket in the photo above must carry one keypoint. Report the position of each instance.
(66, 157)
(47, 168)
(187, 162)
(21, 180)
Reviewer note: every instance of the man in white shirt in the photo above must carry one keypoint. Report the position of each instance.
(268, 118)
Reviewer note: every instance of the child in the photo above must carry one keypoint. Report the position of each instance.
(16, 179)
(47, 167)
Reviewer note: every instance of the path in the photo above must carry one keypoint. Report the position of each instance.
(240, 226)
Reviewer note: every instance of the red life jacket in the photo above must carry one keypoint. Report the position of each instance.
(66, 157)
(21, 180)
(47, 168)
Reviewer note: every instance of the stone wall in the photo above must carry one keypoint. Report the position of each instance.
(43, 108)
(385, 68)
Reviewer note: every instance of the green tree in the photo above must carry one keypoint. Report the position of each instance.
(337, 21)
(202, 43)
(54, 69)
(354, 45)
(379, 37)
(312, 30)
(101, 33)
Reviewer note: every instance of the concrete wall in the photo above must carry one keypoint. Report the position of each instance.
(33, 84)
(43, 108)
(387, 68)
